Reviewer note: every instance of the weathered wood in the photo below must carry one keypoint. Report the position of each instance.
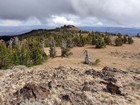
(52, 48)
(87, 58)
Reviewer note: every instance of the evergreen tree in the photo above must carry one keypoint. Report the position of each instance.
(36, 56)
(15, 57)
(107, 40)
(5, 58)
(94, 40)
(100, 43)
(82, 41)
(130, 40)
(69, 43)
(65, 51)
(25, 55)
(118, 41)
(124, 39)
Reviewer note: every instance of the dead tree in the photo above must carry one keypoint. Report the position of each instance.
(14, 42)
(52, 48)
(10, 43)
(87, 58)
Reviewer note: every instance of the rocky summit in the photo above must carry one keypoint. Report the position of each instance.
(69, 86)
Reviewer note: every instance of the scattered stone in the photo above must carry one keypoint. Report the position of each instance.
(113, 89)
(66, 97)
(69, 86)
(89, 87)
(31, 91)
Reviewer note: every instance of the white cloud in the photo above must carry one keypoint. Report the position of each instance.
(61, 20)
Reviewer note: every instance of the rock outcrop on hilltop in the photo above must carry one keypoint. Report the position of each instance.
(69, 86)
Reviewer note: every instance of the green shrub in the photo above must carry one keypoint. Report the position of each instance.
(118, 42)
(65, 52)
(125, 39)
(29, 53)
(94, 40)
(130, 40)
(97, 61)
(100, 43)
(5, 57)
(107, 40)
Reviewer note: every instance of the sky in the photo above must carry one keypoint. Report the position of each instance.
(124, 13)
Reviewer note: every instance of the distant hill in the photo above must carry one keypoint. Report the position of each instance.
(66, 29)
(17, 30)
(122, 30)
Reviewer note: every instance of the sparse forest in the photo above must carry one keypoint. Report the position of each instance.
(28, 49)
(27, 52)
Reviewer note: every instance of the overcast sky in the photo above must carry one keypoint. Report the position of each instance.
(124, 13)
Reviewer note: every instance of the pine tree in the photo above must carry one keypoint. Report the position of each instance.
(5, 58)
(15, 57)
(36, 56)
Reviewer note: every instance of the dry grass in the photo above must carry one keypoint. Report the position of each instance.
(126, 56)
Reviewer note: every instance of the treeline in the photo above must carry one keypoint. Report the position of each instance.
(100, 40)
(26, 52)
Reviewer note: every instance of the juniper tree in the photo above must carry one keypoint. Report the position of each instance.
(130, 40)
(118, 41)
(107, 40)
(100, 43)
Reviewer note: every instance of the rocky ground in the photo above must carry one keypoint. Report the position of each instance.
(67, 81)
(69, 86)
